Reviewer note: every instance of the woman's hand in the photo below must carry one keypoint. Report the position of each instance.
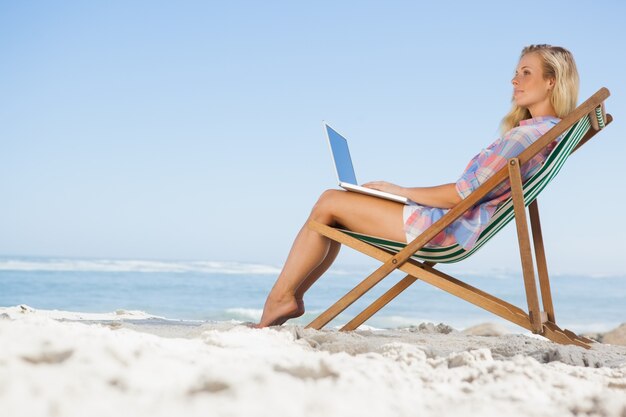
(386, 187)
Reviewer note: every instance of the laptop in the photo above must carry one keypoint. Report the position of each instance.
(345, 171)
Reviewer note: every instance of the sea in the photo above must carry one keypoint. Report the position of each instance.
(202, 291)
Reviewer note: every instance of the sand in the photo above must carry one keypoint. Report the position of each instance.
(132, 364)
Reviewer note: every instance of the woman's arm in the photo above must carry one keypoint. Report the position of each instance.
(442, 196)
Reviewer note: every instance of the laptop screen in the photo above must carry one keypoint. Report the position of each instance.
(341, 156)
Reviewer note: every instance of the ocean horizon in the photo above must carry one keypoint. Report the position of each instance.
(225, 291)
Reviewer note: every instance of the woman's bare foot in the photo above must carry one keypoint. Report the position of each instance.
(295, 314)
(279, 309)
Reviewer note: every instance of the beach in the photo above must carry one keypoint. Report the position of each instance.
(163, 165)
(128, 363)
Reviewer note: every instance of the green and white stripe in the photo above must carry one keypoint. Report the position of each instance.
(600, 117)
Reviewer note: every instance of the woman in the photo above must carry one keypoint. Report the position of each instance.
(545, 88)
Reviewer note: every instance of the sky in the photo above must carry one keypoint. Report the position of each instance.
(193, 130)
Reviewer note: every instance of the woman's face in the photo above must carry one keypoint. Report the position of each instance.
(530, 89)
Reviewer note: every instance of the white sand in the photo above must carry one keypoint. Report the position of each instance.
(151, 367)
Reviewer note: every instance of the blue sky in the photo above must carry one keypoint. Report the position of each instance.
(192, 130)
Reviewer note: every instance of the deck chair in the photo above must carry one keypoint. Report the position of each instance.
(418, 261)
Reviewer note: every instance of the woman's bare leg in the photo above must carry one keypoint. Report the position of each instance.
(333, 251)
(310, 250)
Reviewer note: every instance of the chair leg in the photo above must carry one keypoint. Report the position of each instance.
(540, 257)
(383, 300)
(565, 337)
(517, 195)
(347, 300)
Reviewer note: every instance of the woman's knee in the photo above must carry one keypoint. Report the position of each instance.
(324, 208)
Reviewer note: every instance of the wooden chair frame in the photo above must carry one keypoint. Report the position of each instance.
(542, 322)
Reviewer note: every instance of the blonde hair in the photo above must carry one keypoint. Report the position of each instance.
(558, 63)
